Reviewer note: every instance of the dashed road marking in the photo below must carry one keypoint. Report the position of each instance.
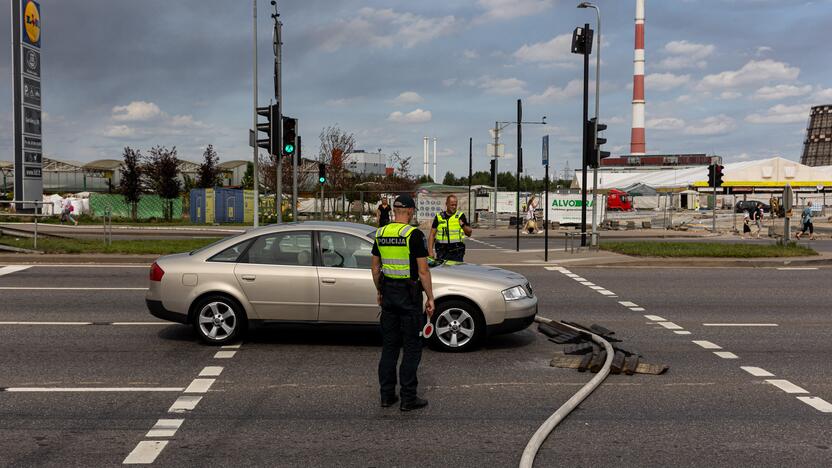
(628, 304)
(606, 293)
(231, 346)
(681, 332)
(655, 318)
(739, 325)
(670, 325)
(211, 371)
(47, 323)
(596, 287)
(579, 279)
(145, 452)
(757, 371)
(224, 354)
(786, 386)
(796, 268)
(707, 344)
(587, 283)
(7, 270)
(726, 355)
(88, 389)
(165, 428)
(637, 309)
(199, 386)
(817, 403)
(35, 288)
(184, 403)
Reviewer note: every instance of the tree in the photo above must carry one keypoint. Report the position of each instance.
(336, 145)
(401, 164)
(450, 179)
(424, 179)
(209, 171)
(130, 184)
(248, 178)
(162, 170)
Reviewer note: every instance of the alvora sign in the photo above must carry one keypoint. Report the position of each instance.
(569, 203)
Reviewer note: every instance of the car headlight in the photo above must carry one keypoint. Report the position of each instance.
(515, 293)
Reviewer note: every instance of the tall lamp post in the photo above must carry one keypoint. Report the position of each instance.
(594, 239)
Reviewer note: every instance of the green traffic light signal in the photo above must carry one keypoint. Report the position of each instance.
(322, 180)
(288, 148)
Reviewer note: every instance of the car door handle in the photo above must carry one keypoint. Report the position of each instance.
(328, 280)
(248, 277)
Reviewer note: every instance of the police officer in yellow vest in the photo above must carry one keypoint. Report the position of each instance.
(401, 274)
(448, 231)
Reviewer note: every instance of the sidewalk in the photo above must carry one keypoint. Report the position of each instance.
(558, 235)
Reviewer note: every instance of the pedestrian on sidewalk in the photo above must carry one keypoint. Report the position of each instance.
(383, 213)
(746, 225)
(66, 211)
(531, 217)
(758, 218)
(806, 219)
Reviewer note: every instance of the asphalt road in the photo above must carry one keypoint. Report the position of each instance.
(307, 396)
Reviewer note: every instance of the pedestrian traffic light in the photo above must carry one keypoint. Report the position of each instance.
(712, 175)
(269, 127)
(321, 173)
(718, 174)
(594, 148)
(290, 136)
(493, 169)
(582, 41)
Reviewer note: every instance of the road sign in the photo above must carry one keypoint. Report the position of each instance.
(546, 150)
(501, 151)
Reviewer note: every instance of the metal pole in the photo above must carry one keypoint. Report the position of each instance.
(714, 221)
(470, 171)
(585, 144)
(278, 94)
(295, 158)
(597, 120)
(546, 216)
(519, 166)
(322, 202)
(254, 126)
(496, 159)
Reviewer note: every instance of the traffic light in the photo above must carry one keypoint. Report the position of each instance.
(321, 173)
(595, 154)
(290, 136)
(718, 174)
(582, 41)
(712, 175)
(493, 169)
(269, 127)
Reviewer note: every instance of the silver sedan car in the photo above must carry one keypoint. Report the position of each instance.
(319, 272)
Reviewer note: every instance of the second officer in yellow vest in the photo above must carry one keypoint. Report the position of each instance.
(447, 233)
(401, 274)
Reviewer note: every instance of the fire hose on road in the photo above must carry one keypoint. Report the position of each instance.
(527, 461)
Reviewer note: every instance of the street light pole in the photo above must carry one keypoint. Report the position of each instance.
(277, 44)
(254, 126)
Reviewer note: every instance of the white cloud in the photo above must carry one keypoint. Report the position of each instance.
(554, 93)
(665, 123)
(119, 131)
(385, 28)
(771, 93)
(136, 111)
(822, 94)
(742, 157)
(781, 114)
(665, 81)
(186, 121)
(416, 116)
(408, 97)
(449, 82)
(753, 72)
(684, 98)
(729, 95)
(616, 120)
(470, 54)
(555, 51)
(502, 86)
(762, 50)
(341, 102)
(508, 9)
(684, 54)
(717, 125)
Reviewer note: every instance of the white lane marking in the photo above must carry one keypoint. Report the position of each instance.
(7, 270)
(726, 355)
(597, 288)
(165, 428)
(796, 268)
(572, 275)
(224, 354)
(817, 403)
(141, 323)
(606, 293)
(707, 344)
(560, 269)
(628, 304)
(587, 283)
(670, 325)
(786, 386)
(655, 318)
(681, 332)
(199, 386)
(579, 279)
(89, 389)
(757, 371)
(32, 288)
(83, 265)
(145, 452)
(637, 309)
(740, 325)
(211, 371)
(46, 323)
(184, 403)
(232, 346)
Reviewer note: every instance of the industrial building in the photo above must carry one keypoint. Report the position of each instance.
(362, 162)
(817, 147)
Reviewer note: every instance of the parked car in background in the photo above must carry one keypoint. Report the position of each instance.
(750, 205)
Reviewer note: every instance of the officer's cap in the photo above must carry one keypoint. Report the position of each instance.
(404, 201)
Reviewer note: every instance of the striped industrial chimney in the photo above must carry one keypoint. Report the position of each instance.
(637, 142)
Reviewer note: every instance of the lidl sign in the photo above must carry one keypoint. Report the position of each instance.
(31, 23)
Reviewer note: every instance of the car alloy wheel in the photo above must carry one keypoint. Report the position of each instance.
(217, 321)
(455, 328)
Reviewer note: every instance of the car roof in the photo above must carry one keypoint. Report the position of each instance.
(340, 226)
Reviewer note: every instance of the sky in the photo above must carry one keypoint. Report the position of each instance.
(732, 77)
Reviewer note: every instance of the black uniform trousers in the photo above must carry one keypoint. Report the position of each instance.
(402, 319)
(454, 251)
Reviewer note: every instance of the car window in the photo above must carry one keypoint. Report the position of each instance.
(232, 253)
(285, 248)
(345, 251)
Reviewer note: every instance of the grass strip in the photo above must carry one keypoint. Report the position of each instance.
(97, 246)
(706, 249)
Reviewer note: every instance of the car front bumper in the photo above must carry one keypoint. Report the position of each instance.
(519, 315)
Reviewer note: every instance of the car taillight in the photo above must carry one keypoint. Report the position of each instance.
(156, 272)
